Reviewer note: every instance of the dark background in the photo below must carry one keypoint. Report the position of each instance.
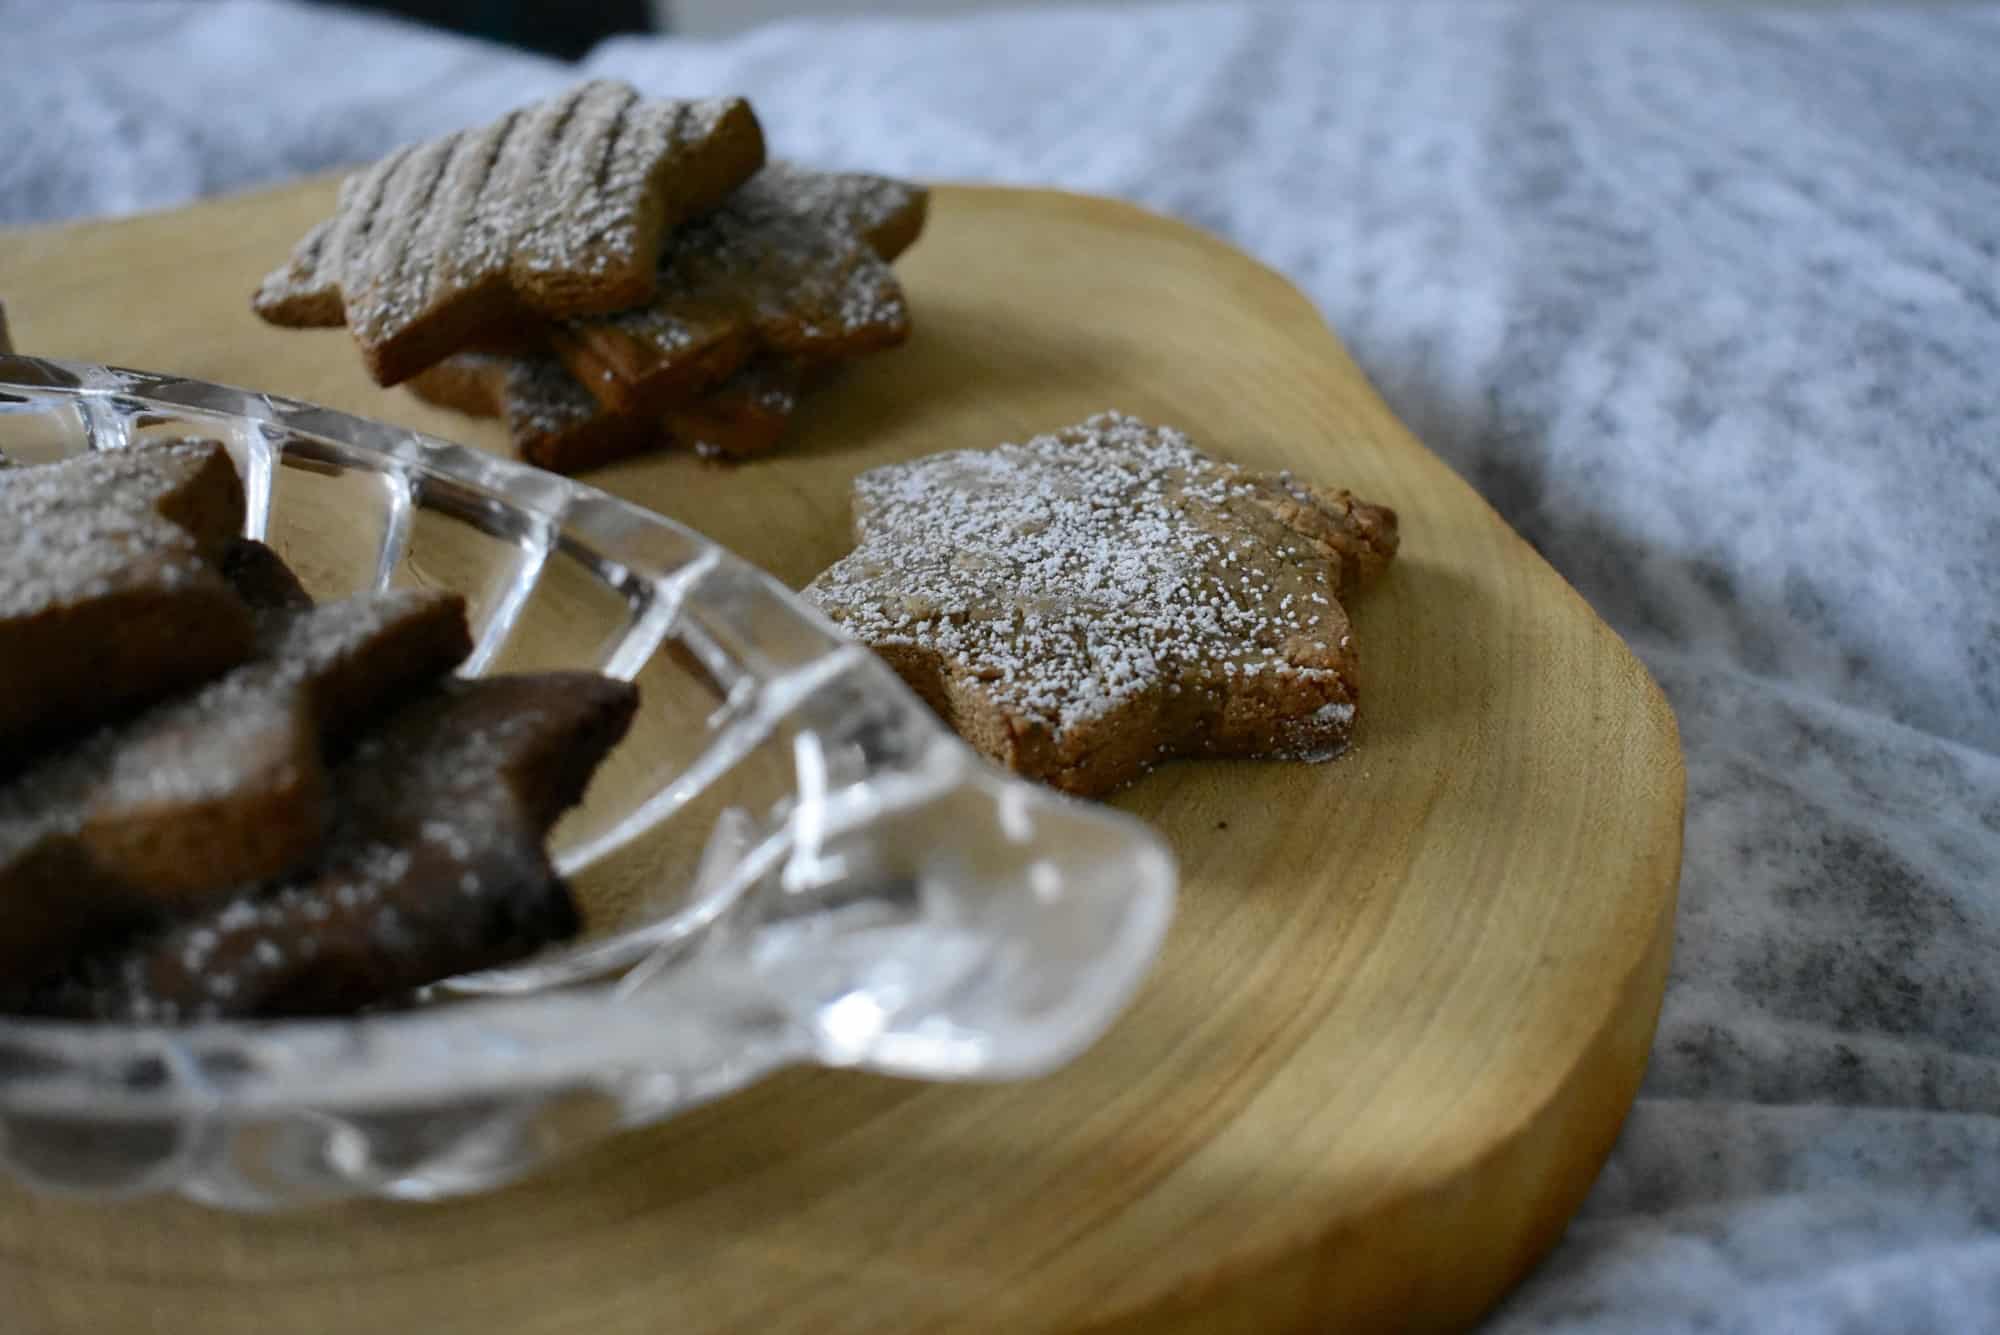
(565, 31)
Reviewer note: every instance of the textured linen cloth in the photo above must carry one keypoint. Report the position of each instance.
(1706, 301)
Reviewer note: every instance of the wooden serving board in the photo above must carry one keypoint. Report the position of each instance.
(1400, 1017)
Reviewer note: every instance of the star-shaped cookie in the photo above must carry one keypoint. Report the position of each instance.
(1093, 602)
(202, 793)
(434, 867)
(556, 424)
(111, 596)
(794, 266)
(556, 210)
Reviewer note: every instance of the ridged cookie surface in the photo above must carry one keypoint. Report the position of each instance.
(558, 209)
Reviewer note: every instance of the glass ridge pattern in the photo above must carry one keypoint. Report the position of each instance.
(823, 873)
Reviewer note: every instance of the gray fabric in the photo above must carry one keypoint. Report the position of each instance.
(1706, 301)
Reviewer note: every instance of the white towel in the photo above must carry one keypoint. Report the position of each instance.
(1706, 301)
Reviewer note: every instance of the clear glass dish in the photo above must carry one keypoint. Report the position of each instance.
(788, 860)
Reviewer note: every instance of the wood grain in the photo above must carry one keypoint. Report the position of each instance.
(1399, 1020)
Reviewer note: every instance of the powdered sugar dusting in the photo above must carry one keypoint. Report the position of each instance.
(541, 399)
(434, 866)
(237, 734)
(1072, 573)
(746, 415)
(776, 392)
(88, 527)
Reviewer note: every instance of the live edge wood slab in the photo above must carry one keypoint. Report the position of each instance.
(1402, 1012)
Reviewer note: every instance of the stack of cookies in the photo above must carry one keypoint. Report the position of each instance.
(607, 273)
(218, 798)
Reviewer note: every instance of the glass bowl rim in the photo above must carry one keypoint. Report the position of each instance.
(86, 1052)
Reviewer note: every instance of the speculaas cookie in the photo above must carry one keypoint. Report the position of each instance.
(262, 579)
(435, 867)
(473, 383)
(109, 596)
(192, 798)
(794, 266)
(555, 210)
(745, 416)
(1096, 601)
(790, 276)
(555, 424)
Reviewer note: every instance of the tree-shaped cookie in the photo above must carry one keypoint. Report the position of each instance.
(1093, 602)
(558, 209)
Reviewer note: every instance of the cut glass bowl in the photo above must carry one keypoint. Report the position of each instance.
(788, 860)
